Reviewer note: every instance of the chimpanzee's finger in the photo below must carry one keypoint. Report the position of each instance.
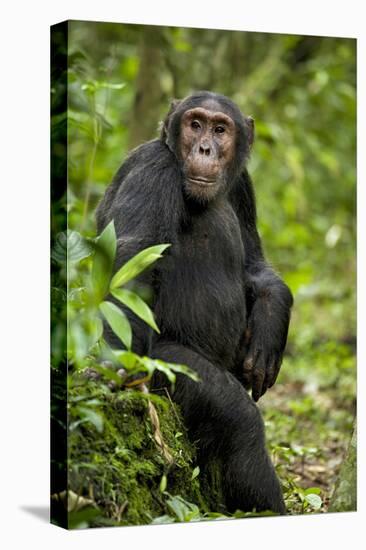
(248, 366)
(264, 385)
(258, 379)
(270, 364)
(271, 370)
(248, 371)
(275, 371)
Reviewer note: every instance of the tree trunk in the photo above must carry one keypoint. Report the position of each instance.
(344, 498)
(143, 122)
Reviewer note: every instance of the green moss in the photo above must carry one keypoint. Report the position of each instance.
(115, 461)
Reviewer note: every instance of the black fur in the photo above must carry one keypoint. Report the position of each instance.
(211, 288)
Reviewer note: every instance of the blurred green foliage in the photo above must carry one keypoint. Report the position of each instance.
(301, 91)
(302, 94)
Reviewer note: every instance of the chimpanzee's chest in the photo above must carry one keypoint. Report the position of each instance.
(212, 238)
(206, 277)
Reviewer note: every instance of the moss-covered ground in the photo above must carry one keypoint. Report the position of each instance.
(121, 475)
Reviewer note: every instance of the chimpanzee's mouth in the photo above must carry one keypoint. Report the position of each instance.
(203, 182)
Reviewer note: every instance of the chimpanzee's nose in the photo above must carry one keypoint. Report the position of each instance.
(204, 149)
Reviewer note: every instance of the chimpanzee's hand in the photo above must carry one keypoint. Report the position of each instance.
(263, 359)
(260, 370)
(269, 303)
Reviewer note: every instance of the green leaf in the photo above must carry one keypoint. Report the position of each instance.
(163, 483)
(314, 500)
(82, 519)
(179, 509)
(169, 369)
(137, 264)
(97, 330)
(105, 252)
(107, 373)
(195, 473)
(182, 369)
(77, 340)
(70, 246)
(162, 519)
(138, 306)
(118, 322)
(92, 416)
(154, 364)
(183, 510)
(313, 490)
(89, 87)
(83, 332)
(127, 358)
(111, 86)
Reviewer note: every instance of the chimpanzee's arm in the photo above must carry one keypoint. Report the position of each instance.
(269, 300)
(142, 202)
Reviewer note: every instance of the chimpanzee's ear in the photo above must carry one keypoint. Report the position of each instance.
(165, 124)
(249, 126)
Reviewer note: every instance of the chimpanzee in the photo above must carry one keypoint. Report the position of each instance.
(220, 308)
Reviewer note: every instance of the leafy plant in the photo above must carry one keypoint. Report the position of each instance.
(309, 499)
(180, 510)
(89, 265)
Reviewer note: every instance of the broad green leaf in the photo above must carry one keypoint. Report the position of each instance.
(92, 416)
(75, 294)
(82, 519)
(183, 369)
(89, 87)
(83, 333)
(77, 340)
(179, 509)
(95, 328)
(314, 500)
(176, 367)
(312, 490)
(94, 85)
(127, 358)
(195, 473)
(107, 373)
(163, 483)
(184, 510)
(138, 306)
(118, 322)
(169, 369)
(105, 252)
(111, 86)
(154, 364)
(163, 519)
(70, 246)
(137, 264)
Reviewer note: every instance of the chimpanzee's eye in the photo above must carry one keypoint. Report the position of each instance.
(195, 125)
(219, 129)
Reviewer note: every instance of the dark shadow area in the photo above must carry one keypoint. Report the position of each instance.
(40, 512)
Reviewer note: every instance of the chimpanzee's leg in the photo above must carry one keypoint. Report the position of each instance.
(227, 424)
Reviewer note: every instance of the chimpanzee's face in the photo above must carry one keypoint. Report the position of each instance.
(206, 150)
